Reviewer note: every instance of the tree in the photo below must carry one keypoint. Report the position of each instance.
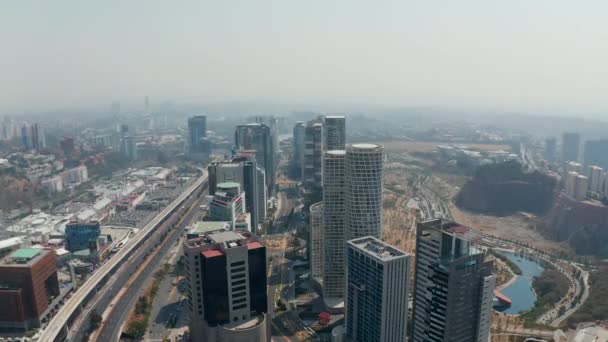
(95, 320)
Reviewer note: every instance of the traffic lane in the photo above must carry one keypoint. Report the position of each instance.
(122, 308)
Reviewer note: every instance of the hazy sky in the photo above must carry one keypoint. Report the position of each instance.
(516, 54)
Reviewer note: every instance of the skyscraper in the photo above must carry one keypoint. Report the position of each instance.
(313, 154)
(242, 169)
(334, 135)
(454, 286)
(198, 145)
(226, 276)
(316, 240)
(377, 291)
(299, 134)
(334, 163)
(257, 137)
(595, 153)
(364, 175)
(128, 147)
(570, 146)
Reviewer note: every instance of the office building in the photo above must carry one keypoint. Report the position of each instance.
(596, 178)
(334, 135)
(243, 170)
(66, 144)
(128, 146)
(550, 149)
(199, 146)
(299, 134)
(377, 291)
(29, 289)
(581, 187)
(364, 176)
(313, 154)
(570, 183)
(258, 137)
(228, 204)
(334, 243)
(454, 285)
(79, 235)
(570, 146)
(226, 277)
(316, 240)
(596, 153)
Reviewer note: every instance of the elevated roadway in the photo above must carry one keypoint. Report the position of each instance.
(58, 327)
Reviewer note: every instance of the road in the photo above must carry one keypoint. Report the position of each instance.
(106, 275)
(119, 313)
(286, 326)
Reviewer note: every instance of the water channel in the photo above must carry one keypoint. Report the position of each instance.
(521, 291)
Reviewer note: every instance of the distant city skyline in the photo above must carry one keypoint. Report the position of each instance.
(543, 57)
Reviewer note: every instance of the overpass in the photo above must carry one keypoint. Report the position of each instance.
(58, 327)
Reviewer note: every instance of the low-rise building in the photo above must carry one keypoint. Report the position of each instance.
(28, 288)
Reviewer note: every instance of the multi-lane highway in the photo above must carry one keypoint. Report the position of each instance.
(58, 327)
(119, 312)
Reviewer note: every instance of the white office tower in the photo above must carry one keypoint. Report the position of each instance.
(364, 175)
(454, 286)
(334, 133)
(570, 183)
(596, 177)
(377, 291)
(581, 187)
(334, 163)
(316, 240)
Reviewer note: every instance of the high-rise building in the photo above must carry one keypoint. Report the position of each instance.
(364, 176)
(226, 275)
(198, 145)
(243, 170)
(550, 149)
(29, 289)
(78, 235)
(228, 204)
(67, 146)
(257, 137)
(581, 187)
(128, 147)
(595, 153)
(596, 178)
(377, 291)
(299, 134)
(313, 154)
(454, 285)
(334, 135)
(316, 240)
(570, 146)
(334, 234)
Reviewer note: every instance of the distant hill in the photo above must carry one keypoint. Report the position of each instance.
(504, 188)
(582, 224)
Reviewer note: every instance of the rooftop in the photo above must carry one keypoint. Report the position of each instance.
(25, 253)
(376, 248)
(365, 146)
(336, 152)
(224, 236)
(203, 227)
